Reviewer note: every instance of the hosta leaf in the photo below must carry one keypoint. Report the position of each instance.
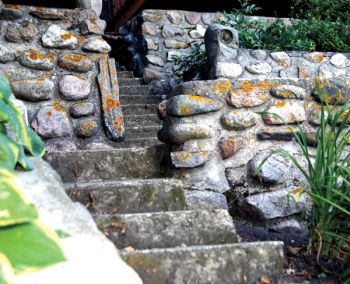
(8, 152)
(3, 111)
(37, 145)
(30, 246)
(5, 89)
(14, 208)
(23, 159)
(7, 274)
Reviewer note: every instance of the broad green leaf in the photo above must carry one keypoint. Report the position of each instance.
(37, 145)
(7, 274)
(14, 208)
(30, 246)
(23, 159)
(5, 89)
(8, 152)
(3, 111)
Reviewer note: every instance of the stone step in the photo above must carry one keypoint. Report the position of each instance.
(168, 229)
(145, 142)
(140, 99)
(82, 166)
(130, 196)
(260, 262)
(125, 74)
(139, 109)
(135, 90)
(132, 132)
(147, 119)
(129, 81)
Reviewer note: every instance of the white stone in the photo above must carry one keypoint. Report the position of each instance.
(95, 5)
(91, 258)
(260, 68)
(155, 60)
(281, 58)
(198, 33)
(228, 70)
(339, 60)
(57, 37)
(330, 71)
(97, 45)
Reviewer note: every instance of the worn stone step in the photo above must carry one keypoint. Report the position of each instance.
(216, 264)
(80, 166)
(136, 109)
(145, 142)
(168, 229)
(135, 90)
(140, 99)
(129, 81)
(130, 196)
(142, 131)
(147, 119)
(125, 74)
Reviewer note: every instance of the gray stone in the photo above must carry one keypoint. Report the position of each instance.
(259, 54)
(74, 88)
(247, 97)
(87, 128)
(11, 12)
(187, 105)
(210, 264)
(288, 92)
(60, 144)
(92, 26)
(97, 45)
(75, 62)
(229, 146)
(274, 170)
(175, 53)
(208, 18)
(285, 112)
(175, 44)
(82, 109)
(52, 122)
(97, 146)
(336, 90)
(188, 160)
(202, 199)
(175, 17)
(47, 14)
(155, 60)
(192, 17)
(20, 32)
(259, 68)
(228, 70)
(281, 58)
(277, 133)
(56, 37)
(329, 71)
(161, 87)
(150, 29)
(150, 44)
(169, 229)
(198, 33)
(152, 16)
(315, 57)
(37, 60)
(286, 226)
(315, 115)
(238, 120)
(149, 75)
(6, 55)
(94, 5)
(171, 31)
(179, 133)
(38, 89)
(339, 60)
(275, 204)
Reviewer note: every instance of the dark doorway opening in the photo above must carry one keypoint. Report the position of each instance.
(44, 3)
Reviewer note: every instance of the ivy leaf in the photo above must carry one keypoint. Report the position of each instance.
(30, 246)
(14, 208)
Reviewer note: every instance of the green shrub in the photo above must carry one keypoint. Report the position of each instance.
(25, 244)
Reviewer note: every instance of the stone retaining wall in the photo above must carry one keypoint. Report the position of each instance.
(218, 138)
(50, 57)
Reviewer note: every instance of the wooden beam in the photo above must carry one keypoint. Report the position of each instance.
(125, 14)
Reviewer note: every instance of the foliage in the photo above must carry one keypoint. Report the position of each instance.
(312, 30)
(24, 243)
(193, 65)
(328, 177)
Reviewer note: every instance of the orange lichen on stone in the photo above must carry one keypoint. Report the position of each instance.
(222, 87)
(14, 7)
(74, 57)
(303, 74)
(40, 79)
(57, 106)
(319, 57)
(203, 154)
(35, 55)
(183, 156)
(89, 125)
(49, 113)
(201, 100)
(120, 129)
(185, 109)
(111, 103)
(280, 104)
(66, 36)
(93, 21)
(80, 38)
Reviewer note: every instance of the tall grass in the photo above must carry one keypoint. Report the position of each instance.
(328, 177)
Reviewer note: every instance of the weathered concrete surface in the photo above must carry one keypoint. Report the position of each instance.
(86, 248)
(169, 229)
(219, 264)
(130, 196)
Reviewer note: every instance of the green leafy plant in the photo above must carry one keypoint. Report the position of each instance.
(193, 65)
(25, 245)
(328, 177)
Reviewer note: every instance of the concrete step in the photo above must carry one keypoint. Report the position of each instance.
(130, 196)
(216, 264)
(129, 81)
(147, 119)
(125, 74)
(83, 166)
(140, 99)
(168, 229)
(139, 109)
(135, 90)
(132, 132)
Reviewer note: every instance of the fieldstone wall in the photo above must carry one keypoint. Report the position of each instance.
(218, 139)
(51, 58)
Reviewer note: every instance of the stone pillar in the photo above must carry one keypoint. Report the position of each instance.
(95, 5)
(221, 44)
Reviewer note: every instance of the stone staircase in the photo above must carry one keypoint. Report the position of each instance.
(147, 216)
